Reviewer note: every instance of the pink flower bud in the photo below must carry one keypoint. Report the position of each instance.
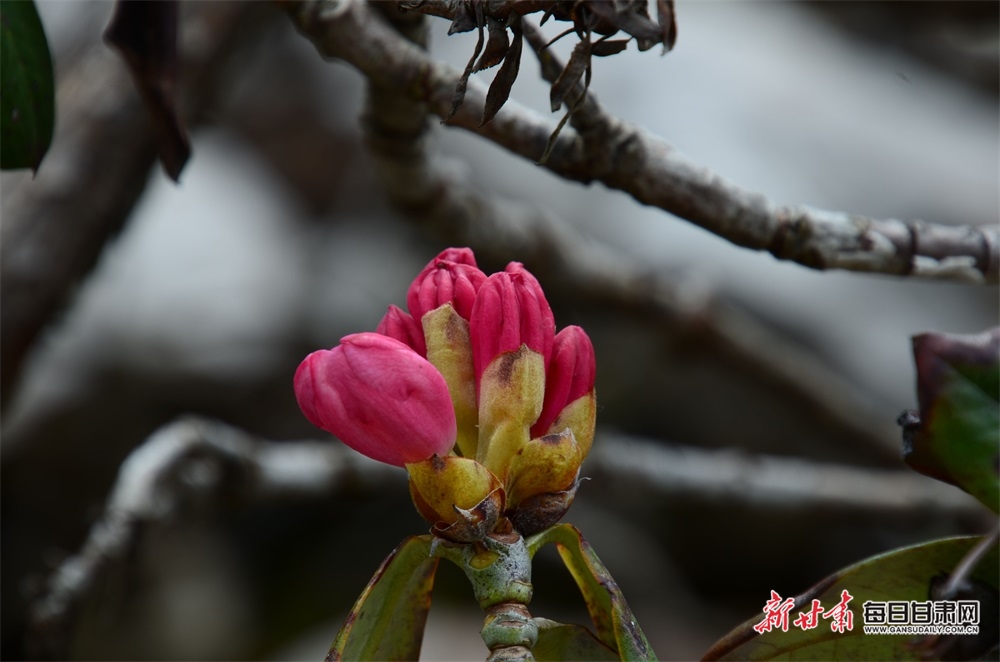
(379, 397)
(570, 375)
(510, 311)
(452, 277)
(399, 325)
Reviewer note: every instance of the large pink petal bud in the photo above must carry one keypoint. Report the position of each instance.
(379, 397)
(399, 325)
(451, 277)
(570, 375)
(510, 311)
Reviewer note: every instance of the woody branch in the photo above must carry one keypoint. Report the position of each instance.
(395, 130)
(627, 158)
(195, 460)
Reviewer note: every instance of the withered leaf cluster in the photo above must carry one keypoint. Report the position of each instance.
(594, 22)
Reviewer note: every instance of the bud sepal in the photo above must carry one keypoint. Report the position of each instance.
(458, 496)
(510, 399)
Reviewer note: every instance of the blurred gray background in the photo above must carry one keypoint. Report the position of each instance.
(279, 239)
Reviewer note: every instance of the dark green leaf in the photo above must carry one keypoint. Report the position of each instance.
(145, 33)
(558, 642)
(910, 573)
(387, 622)
(500, 88)
(616, 626)
(27, 90)
(956, 437)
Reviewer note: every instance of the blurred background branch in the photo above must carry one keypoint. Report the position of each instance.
(185, 462)
(195, 462)
(652, 171)
(55, 230)
(779, 385)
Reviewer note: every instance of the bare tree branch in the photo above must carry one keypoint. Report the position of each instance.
(197, 461)
(189, 459)
(629, 159)
(650, 470)
(55, 226)
(395, 128)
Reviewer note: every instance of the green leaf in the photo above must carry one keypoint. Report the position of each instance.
(387, 622)
(558, 642)
(904, 574)
(956, 437)
(27, 90)
(616, 626)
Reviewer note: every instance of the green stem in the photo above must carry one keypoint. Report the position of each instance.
(499, 569)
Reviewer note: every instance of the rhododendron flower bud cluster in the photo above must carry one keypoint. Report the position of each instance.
(473, 391)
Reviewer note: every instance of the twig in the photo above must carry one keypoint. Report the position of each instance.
(653, 471)
(960, 576)
(651, 170)
(194, 460)
(395, 127)
(184, 460)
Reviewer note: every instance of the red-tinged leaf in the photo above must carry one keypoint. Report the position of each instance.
(956, 437)
(463, 82)
(27, 88)
(496, 46)
(570, 74)
(606, 47)
(145, 33)
(387, 622)
(668, 23)
(911, 573)
(613, 620)
(558, 642)
(500, 88)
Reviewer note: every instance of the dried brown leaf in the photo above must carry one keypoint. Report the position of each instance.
(145, 33)
(464, 21)
(496, 46)
(606, 47)
(550, 145)
(571, 74)
(463, 82)
(499, 90)
(668, 23)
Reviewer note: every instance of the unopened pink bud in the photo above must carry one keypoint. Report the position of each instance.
(570, 375)
(451, 277)
(457, 255)
(379, 397)
(510, 311)
(399, 325)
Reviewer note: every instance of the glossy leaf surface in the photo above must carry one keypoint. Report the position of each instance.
(387, 622)
(903, 574)
(559, 642)
(27, 90)
(616, 626)
(956, 437)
